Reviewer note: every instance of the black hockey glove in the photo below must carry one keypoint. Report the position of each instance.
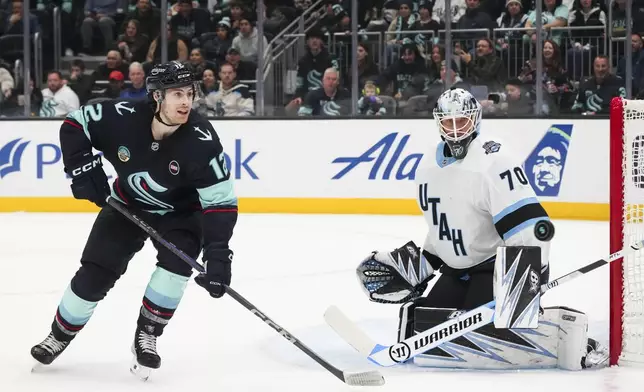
(89, 181)
(217, 274)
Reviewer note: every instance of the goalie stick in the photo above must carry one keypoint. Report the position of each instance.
(369, 378)
(451, 329)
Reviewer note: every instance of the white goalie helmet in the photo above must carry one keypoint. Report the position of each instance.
(458, 117)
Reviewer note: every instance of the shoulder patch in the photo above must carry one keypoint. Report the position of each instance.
(491, 147)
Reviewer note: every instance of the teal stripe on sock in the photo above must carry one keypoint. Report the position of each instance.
(75, 310)
(166, 289)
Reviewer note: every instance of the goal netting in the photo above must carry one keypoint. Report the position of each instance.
(626, 227)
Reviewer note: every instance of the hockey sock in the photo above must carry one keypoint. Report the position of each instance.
(161, 299)
(71, 316)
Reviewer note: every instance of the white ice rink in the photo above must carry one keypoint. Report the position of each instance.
(292, 267)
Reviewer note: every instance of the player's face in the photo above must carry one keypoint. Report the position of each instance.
(456, 127)
(177, 104)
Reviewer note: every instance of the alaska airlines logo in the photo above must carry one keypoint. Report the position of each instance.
(545, 164)
(10, 156)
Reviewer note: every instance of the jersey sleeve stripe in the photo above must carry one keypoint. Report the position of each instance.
(79, 117)
(73, 123)
(219, 194)
(229, 209)
(520, 219)
(514, 207)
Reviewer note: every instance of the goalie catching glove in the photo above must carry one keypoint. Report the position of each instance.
(395, 277)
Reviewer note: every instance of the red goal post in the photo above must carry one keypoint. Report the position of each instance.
(626, 226)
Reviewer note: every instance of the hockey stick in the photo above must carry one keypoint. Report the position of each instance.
(370, 378)
(458, 326)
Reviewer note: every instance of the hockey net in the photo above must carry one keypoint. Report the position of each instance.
(626, 227)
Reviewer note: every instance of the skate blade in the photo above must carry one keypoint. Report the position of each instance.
(142, 372)
(37, 366)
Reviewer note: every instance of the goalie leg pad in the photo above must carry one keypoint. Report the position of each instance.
(517, 278)
(559, 341)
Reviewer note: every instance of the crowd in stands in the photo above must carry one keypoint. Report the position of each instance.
(402, 64)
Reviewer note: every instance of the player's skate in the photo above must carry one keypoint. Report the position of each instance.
(145, 353)
(49, 349)
(597, 355)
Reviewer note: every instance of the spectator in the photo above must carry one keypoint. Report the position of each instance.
(439, 85)
(586, 43)
(435, 62)
(409, 76)
(208, 84)
(516, 101)
(149, 19)
(554, 14)
(400, 28)
(199, 63)
(100, 13)
(177, 49)
(189, 23)
(247, 40)
(457, 10)
(329, 100)
(426, 22)
(114, 62)
(555, 80)
(369, 104)
(596, 92)
(231, 98)
(133, 44)
(7, 82)
(243, 69)
(58, 99)
(618, 25)
(367, 69)
(486, 68)
(13, 23)
(215, 48)
(278, 19)
(511, 47)
(208, 81)
(311, 67)
(14, 105)
(474, 18)
(79, 82)
(115, 86)
(637, 61)
(137, 77)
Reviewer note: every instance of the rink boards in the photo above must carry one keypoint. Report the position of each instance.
(336, 166)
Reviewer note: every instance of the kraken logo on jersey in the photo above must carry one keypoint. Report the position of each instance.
(48, 108)
(330, 108)
(140, 183)
(314, 79)
(440, 220)
(545, 164)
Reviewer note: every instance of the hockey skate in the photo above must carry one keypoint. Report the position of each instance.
(145, 353)
(48, 350)
(597, 355)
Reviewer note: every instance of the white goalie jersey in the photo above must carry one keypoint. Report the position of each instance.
(475, 204)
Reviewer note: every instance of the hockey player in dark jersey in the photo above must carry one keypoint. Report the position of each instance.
(170, 170)
(596, 92)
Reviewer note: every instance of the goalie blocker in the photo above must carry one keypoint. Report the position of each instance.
(523, 336)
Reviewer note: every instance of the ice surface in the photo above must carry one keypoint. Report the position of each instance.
(292, 267)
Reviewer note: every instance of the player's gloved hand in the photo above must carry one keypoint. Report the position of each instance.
(217, 274)
(395, 277)
(89, 181)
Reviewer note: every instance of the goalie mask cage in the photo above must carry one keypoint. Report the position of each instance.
(626, 227)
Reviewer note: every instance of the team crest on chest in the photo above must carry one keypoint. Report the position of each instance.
(491, 147)
(173, 167)
(123, 153)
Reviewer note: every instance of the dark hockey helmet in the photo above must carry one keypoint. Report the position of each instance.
(173, 74)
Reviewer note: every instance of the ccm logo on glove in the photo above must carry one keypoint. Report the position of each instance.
(88, 166)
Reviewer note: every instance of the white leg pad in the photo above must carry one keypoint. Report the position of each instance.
(573, 337)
